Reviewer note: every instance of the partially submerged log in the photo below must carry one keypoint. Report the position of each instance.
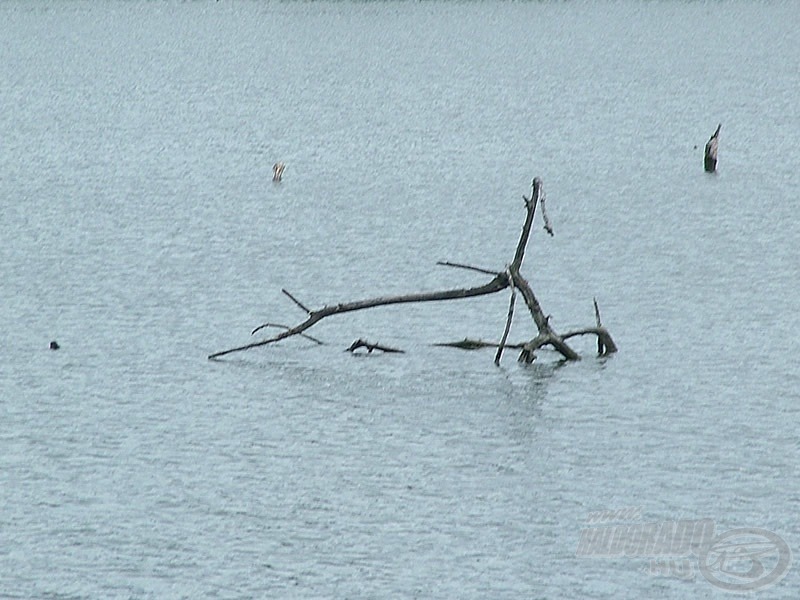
(359, 343)
(710, 158)
(468, 344)
(501, 280)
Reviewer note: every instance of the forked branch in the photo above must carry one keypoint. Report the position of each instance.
(315, 316)
(501, 280)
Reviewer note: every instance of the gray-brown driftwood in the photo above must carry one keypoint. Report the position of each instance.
(359, 343)
(501, 280)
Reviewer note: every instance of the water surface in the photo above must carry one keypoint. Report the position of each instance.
(141, 230)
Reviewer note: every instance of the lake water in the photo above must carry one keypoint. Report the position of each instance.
(141, 230)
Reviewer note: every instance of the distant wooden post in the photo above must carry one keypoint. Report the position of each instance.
(710, 159)
(277, 171)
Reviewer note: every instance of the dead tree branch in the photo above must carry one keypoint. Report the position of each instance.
(284, 327)
(546, 334)
(605, 343)
(296, 301)
(468, 344)
(315, 316)
(547, 226)
(511, 301)
(501, 280)
(445, 263)
(359, 343)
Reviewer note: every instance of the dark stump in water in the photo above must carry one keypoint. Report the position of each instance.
(710, 158)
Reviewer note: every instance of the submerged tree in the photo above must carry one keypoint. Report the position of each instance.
(509, 278)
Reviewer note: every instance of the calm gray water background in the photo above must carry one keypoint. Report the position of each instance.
(141, 230)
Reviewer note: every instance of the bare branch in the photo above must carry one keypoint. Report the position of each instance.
(296, 301)
(500, 280)
(359, 343)
(445, 263)
(547, 226)
(546, 334)
(609, 347)
(536, 186)
(597, 313)
(468, 344)
(600, 347)
(605, 343)
(528, 354)
(503, 339)
(495, 285)
(280, 326)
(584, 331)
